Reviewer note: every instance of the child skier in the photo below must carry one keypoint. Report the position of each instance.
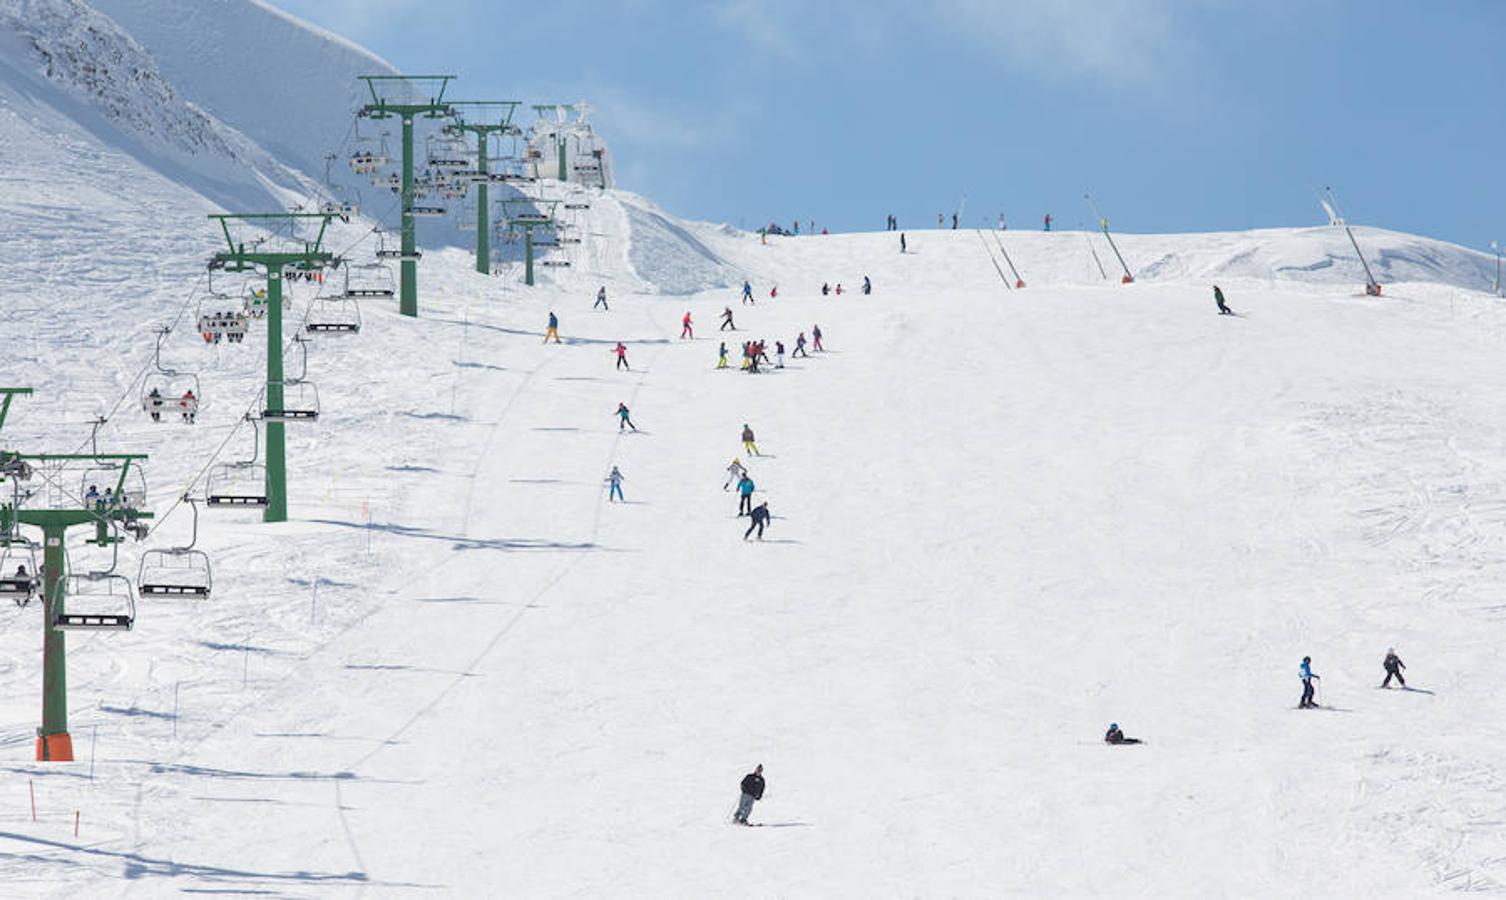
(623, 414)
(727, 320)
(1393, 665)
(816, 339)
(685, 330)
(760, 517)
(779, 354)
(748, 293)
(1305, 672)
(721, 356)
(800, 347)
(554, 328)
(615, 480)
(601, 299)
(621, 351)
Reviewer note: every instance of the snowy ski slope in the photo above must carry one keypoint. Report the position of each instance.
(1003, 520)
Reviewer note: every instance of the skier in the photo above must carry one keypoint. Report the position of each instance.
(941, 220)
(755, 350)
(954, 221)
(745, 489)
(839, 289)
(735, 473)
(816, 339)
(685, 330)
(752, 790)
(760, 517)
(1305, 672)
(601, 299)
(721, 356)
(748, 293)
(727, 320)
(189, 405)
(1048, 221)
(867, 285)
(621, 351)
(622, 413)
(800, 347)
(902, 247)
(774, 292)
(1218, 297)
(748, 441)
(1393, 665)
(615, 480)
(554, 328)
(779, 354)
(825, 288)
(154, 404)
(1115, 736)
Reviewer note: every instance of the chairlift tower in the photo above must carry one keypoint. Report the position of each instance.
(238, 258)
(483, 118)
(54, 744)
(527, 213)
(407, 96)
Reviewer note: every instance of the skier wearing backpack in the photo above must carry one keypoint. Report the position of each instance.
(1305, 672)
(1393, 665)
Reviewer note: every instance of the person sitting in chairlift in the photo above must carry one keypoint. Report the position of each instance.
(154, 404)
(91, 497)
(189, 405)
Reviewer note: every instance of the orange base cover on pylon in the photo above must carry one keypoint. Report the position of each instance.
(54, 748)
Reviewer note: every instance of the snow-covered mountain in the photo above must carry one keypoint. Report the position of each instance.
(1003, 519)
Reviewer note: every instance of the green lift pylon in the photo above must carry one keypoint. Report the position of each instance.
(54, 744)
(240, 259)
(407, 96)
(528, 216)
(483, 118)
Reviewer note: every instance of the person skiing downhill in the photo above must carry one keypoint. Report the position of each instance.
(760, 517)
(800, 347)
(816, 339)
(735, 472)
(621, 351)
(867, 285)
(774, 292)
(779, 354)
(624, 415)
(615, 491)
(1393, 665)
(745, 488)
(601, 299)
(554, 328)
(825, 288)
(749, 444)
(1305, 672)
(748, 293)
(1218, 297)
(1115, 736)
(727, 320)
(751, 792)
(902, 247)
(721, 356)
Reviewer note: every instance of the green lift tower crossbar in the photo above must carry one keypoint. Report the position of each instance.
(54, 744)
(407, 96)
(240, 259)
(483, 118)
(528, 214)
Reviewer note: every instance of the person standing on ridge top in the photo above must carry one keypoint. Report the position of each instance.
(1218, 297)
(1393, 665)
(615, 491)
(1048, 221)
(621, 351)
(685, 330)
(760, 517)
(748, 293)
(727, 320)
(601, 299)
(954, 221)
(752, 791)
(623, 415)
(745, 488)
(902, 247)
(1305, 672)
(554, 328)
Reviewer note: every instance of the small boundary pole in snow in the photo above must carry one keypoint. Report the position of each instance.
(176, 686)
(93, 739)
(32, 786)
(75, 823)
(245, 663)
(314, 602)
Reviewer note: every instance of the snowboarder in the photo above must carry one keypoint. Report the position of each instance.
(1305, 672)
(154, 404)
(752, 791)
(601, 299)
(745, 488)
(867, 285)
(685, 330)
(188, 405)
(615, 480)
(902, 247)
(623, 414)
(760, 517)
(727, 320)
(748, 293)
(800, 347)
(816, 339)
(748, 441)
(1218, 297)
(554, 328)
(735, 473)
(621, 351)
(1115, 736)
(825, 288)
(721, 356)
(1393, 665)
(779, 354)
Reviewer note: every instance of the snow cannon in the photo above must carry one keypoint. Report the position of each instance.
(1372, 290)
(1126, 278)
(1019, 283)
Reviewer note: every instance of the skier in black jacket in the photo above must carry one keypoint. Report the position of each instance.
(1218, 297)
(1393, 665)
(1115, 736)
(752, 788)
(760, 517)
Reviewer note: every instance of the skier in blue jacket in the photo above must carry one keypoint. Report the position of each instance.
(1305, 672)
(745, 495)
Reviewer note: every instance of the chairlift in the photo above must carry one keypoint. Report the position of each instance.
(220, 317)
(242, 483)
(19, 575)
(170, 392)
(555, 263)
(385, 252)
(393, 182)
(101, 601)
(577, 206)
(300, 403)
(333, 315)
(98, 488)
(430, 212)
(254, 301)
(177, 571)
(368, 280)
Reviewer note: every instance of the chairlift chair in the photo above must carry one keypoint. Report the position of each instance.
(236, 485)
(169, 391)
(176, 571)
(333, 315)
(368, 280)
(430, 212)
(105, 477)
(18, 570)
(100, 601)
(300, 403)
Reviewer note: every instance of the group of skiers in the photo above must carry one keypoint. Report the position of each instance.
(827, 290)
(756, 352)
(739, 476)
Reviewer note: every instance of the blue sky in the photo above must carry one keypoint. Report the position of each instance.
(1177, 116)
